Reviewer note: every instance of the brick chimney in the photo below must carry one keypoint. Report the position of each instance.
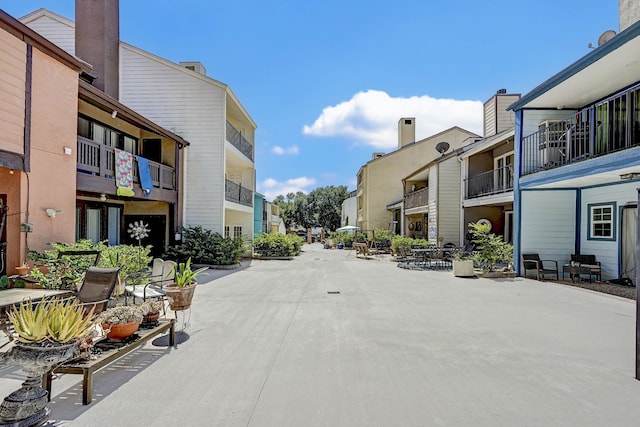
(98, 41)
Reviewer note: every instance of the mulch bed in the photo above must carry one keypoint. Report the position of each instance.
(605, 287)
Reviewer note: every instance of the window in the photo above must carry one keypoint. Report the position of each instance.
(236, 229)
(107, 136)
(602, 221)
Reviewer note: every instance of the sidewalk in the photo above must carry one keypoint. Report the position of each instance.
(332, 340)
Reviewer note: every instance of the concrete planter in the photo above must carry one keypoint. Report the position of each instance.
(28, 405)
(497, 274)
(463, 268)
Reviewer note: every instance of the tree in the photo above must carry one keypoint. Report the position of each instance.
(327, 205)
(322, 207)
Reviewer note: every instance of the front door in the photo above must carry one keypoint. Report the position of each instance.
(157, 225)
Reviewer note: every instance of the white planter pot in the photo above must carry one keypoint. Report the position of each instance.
(463, 268)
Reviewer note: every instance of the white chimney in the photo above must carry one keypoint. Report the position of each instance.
(406, 131)
(629, 12)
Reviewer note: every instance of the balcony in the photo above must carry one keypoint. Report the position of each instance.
(234, 136)
(495, 181)
(595, 131)
(236, 193)
(416, 198)
(97, 159)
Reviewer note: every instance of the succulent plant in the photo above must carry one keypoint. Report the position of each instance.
(60, 321)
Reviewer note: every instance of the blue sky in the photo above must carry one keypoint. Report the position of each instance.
(327, 81)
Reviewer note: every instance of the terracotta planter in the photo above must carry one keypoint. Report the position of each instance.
(151, 317)
(121, 331)
(180, 298)
(23, 271)
(31, 285)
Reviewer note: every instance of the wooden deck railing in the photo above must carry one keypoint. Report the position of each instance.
(97, 159)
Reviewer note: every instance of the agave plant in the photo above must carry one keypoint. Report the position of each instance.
(59, 321)
(184, 276)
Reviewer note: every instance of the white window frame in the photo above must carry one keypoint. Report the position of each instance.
(602, 214)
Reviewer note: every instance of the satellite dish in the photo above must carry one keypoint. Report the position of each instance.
(442, 147)
(605, 37)
(485, 221)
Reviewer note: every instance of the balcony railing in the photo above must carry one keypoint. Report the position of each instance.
(97, 159)
(235, 137)
(417, 198)
(495, 181)
(595, 131)
(235, 192)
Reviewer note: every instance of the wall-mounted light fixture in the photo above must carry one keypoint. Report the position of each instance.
(103, 197)
(11, 171)
(53, 212)
(68, 151)
(114, 114)
(26, 227)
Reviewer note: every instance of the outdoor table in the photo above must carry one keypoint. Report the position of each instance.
(426, 255)
(576, 271)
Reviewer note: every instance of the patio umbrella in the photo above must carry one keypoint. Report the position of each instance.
(348, 228)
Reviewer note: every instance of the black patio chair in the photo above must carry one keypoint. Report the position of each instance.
(533, 262)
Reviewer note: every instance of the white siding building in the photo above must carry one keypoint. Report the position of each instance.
(218, 173)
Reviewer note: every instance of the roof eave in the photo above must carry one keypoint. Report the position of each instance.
(619, 40)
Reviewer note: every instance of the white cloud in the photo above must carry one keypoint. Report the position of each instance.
(371, 117)
(282, 151)
(272, 188)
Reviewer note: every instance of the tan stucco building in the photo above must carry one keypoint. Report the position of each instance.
(380, 188)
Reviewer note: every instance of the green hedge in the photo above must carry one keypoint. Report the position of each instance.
(347, 238)
(277, 245)
(407, 243)
(204, 246)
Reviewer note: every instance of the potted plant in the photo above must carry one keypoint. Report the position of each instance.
(181, 292)
(46, 335)
(492, 254)
(121, 321)
(462, 267)
(152, 311)
(23, 269)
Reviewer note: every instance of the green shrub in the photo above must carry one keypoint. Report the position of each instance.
(407, 243)
(134, 261)
(206, 247)
(490, 248)
(67, 271)
(382, 238)
(277, 245)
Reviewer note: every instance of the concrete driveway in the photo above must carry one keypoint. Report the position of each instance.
(331, 340)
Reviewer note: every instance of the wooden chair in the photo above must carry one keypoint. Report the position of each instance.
(532, 261)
